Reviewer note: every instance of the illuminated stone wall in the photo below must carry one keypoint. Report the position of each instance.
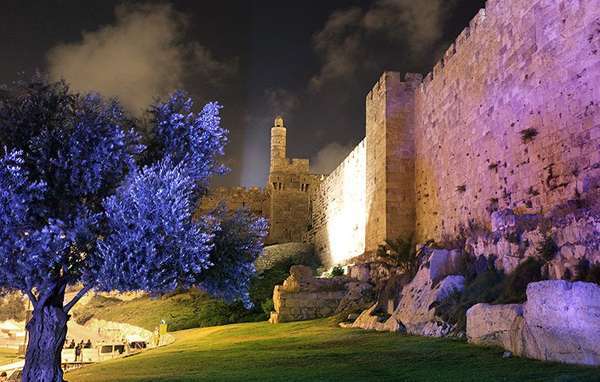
(255, 199)
(509, 119)
(339, 210)
(511, 116)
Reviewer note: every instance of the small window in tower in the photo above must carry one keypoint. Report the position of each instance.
(275, 185)
(306, 187)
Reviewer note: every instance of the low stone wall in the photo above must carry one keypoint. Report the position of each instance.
(304, 297)
(559, 322)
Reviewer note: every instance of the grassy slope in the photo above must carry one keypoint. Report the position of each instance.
(180, 311)
(195, 309)
(7, 356)
(319, 351)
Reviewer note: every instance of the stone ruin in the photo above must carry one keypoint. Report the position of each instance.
(304, 297)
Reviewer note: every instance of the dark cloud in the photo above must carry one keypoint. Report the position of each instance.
(143, 55)
(354, 40)
(354, 46)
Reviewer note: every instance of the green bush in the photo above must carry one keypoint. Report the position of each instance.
(337, 270)
(268, 306)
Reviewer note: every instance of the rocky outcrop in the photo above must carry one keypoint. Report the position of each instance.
(374, 319)
(515, 237)
(304, 297)
(415, 313)
(358, 296)
(419, 299)
(559, 322)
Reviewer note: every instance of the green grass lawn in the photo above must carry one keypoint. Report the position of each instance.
(319, 351)
(7, 356)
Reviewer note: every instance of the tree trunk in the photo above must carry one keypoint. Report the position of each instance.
(47, 332)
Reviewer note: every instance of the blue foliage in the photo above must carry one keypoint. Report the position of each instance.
(197, 140)
(101, 143)
(154, 244)
(238, 241)
(82, 200)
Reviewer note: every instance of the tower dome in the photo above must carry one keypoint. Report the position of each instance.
(278, 121)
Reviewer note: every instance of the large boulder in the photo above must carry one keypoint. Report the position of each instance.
(491, 325)
(443, 262)
(359, 296)
(416, 310)
(369, 320)
(559, 322)
(374, 318)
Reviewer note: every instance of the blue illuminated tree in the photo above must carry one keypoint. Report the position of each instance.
(91, 197)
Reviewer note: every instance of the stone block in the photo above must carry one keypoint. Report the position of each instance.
(559, 322)
(491, 324)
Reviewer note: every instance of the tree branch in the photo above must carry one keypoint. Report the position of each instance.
(77, 297)
(32, 298)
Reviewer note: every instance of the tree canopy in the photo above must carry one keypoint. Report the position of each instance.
(91, 195)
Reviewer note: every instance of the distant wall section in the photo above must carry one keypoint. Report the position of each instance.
(338, 209)
(254, 199)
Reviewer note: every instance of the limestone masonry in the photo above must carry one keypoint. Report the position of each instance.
(507, 124)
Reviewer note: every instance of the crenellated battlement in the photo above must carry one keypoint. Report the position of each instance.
(476, 27)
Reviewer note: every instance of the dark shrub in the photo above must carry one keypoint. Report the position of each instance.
(401, 255)
(515, 285)
(547, 249)
(490, 286)
(528, 135)
(485, 287)
(593, 275)
(587, 272)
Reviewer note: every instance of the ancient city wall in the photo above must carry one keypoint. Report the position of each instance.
(511, 117)
(338, 210)
(255, 199)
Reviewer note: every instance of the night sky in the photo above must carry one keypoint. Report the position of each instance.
(313, 64)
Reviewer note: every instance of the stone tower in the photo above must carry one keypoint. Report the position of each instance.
(278, 145)
(289, 185)
(390, 175)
